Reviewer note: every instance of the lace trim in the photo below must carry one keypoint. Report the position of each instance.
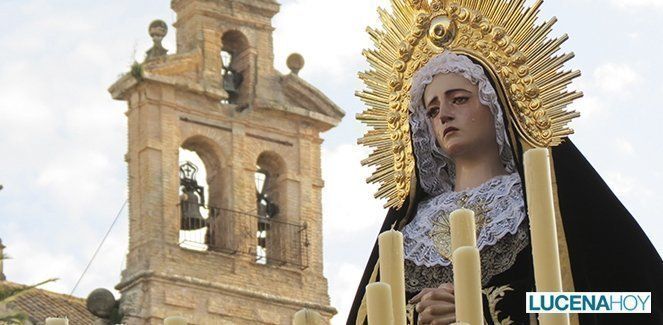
(499, 210)
(436, 169)
(494, 260)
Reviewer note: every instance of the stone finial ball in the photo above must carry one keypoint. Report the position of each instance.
(100, 302)
(158, 29)
(295, 62)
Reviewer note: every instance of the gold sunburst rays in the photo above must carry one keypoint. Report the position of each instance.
(503, 35)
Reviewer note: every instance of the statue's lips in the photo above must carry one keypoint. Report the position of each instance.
(449, 130)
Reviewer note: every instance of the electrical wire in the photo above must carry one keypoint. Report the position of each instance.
(98, 247)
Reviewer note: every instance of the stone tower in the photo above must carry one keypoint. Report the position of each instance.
(257, 133)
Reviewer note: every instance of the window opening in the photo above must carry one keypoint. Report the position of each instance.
(232, 79)
(267, 209)
(194, 213)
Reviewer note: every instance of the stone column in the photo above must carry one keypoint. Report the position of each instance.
(243, 192)
(212, 57)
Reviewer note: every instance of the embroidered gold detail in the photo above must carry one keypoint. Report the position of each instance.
(501, 35)
(494, 296)
(441, 231)
(409, 310)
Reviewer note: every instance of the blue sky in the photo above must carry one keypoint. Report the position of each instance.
(63, 137)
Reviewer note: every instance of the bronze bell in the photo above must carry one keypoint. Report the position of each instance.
(190, 211)
(231, 83)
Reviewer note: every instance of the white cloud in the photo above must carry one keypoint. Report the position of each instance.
(637, 191)
(588, 106)
(76, 181)
(37, 259)
(33, 263)
(347, 199)
(352, 218)
(624, 146)
(616, 77)
(63, 138)
(329, 34)
(620, 183)
(343, 280)
(638, 4)
(22, 113)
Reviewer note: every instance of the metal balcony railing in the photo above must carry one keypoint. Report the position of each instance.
(268, 240)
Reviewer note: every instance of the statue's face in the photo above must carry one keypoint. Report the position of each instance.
(462, 125)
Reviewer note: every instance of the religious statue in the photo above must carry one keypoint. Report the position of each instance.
(458, 90)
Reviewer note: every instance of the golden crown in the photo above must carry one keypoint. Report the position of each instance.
(501, 35)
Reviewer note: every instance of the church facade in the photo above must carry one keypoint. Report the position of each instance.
(255, 220)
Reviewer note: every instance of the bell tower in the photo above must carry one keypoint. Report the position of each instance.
(256, 215)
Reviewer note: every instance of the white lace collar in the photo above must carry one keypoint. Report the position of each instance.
(499, 210)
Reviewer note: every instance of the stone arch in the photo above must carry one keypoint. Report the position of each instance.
(212, 156)
(271, 202)
(275, 165)
(218, 232)
(272, 161)
(236, 66)
(234, 40)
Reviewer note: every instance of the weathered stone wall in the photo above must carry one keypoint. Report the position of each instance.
(177, 103)
(161, 119)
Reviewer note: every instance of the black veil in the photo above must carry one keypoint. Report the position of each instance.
(608, 250)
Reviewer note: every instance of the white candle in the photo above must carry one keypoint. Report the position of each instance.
(307, 317)
(463, 229)
(378, 304)
(545, 251)
(467, 285)
(175, 320)
(56, 321)
(392, 271)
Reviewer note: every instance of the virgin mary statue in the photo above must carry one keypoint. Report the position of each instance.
(458, 90)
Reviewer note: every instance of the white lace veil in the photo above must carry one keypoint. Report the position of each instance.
(436, 168)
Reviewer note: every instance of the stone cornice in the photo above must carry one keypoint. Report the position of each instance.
(296, 87)
(144, 275)
(120, 88)
(325, 122)
(127, 82)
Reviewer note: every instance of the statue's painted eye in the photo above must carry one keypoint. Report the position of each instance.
(432, 112)
(460, 100)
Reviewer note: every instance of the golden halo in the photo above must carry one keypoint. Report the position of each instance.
(501, 35)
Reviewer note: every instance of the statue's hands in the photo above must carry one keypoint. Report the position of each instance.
(436, 306)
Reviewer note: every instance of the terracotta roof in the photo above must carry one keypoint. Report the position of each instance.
(39, 304)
